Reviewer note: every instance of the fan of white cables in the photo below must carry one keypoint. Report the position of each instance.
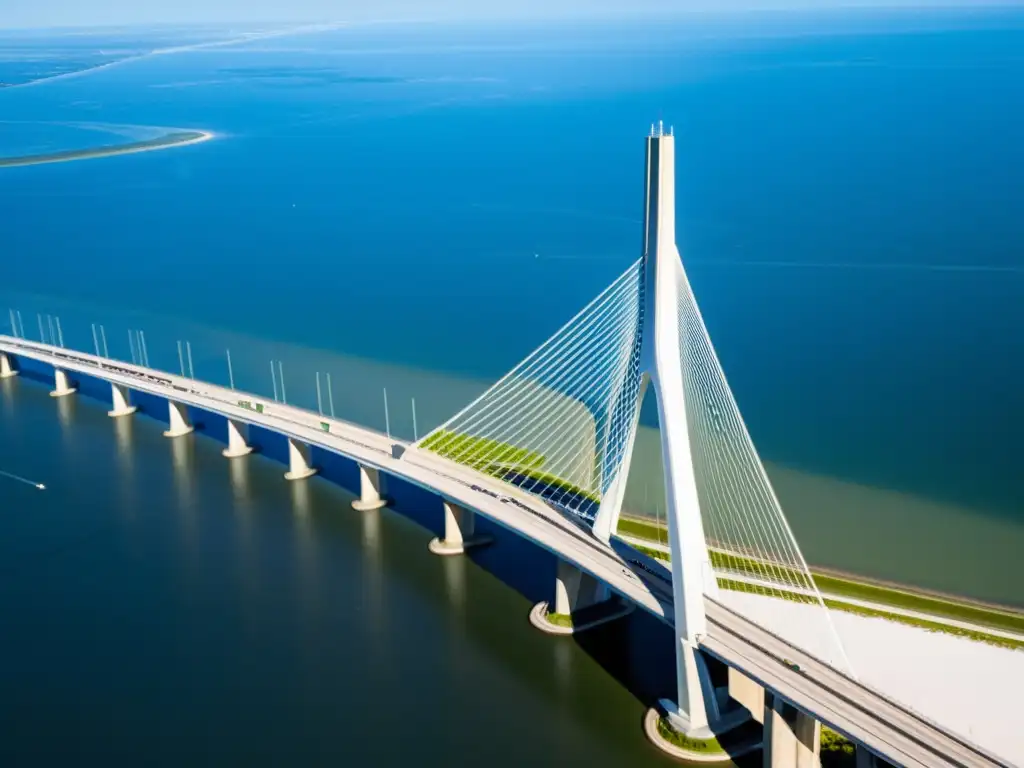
(743, 521)
(751, 545)
(558, 424)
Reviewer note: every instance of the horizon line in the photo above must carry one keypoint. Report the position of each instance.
(961, 6)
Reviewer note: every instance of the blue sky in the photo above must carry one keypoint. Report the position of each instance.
(50, 13)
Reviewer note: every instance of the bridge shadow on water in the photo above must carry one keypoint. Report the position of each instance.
(637, 652)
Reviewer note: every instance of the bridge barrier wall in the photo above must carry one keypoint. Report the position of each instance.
(340, 470)
(211, 424)
(151, 406)
(34, 370)
(271, 444)
(91, 386)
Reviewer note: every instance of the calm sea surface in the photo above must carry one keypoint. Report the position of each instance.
(416, 208)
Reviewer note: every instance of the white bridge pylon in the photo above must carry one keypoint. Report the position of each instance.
(562, 425)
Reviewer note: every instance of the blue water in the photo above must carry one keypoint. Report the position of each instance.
(849, 213)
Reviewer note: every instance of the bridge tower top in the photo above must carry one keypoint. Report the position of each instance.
(661, 264)
(657, 131)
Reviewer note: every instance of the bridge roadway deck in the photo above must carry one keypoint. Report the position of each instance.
(865, 715)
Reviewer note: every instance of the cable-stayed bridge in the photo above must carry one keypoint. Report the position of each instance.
(546, 453)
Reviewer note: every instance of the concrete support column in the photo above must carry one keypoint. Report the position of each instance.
(7, 369)
(180, 423)
(459, 531)
(121, 396)
(747, 694)
(779, 750)
(459, 523)
(808, 741)
(298, 461)
(792, 739)
(369, 490)
(575, 592)
(237, 443)
(61, 386)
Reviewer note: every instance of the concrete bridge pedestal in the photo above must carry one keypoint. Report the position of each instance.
(180, 423)
(459, 532)
(792, 739)
(582, 599)
(237, 444)
(728, 707)
(121, 396)
(7, 369)
(61, 386)
(369, 490)
(298, 461)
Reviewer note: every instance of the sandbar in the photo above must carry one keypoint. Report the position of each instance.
(176, 139)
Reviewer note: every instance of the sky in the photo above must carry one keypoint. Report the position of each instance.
(59, 13)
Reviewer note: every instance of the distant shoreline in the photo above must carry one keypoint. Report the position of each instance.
(176, 139)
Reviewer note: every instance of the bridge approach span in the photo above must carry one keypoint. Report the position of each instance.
(865, 715)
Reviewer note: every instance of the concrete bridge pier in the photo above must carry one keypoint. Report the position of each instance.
(121, 396)
(180, 423)
(298, 461)
(747, 694)
(61, 386)
(576, 590)
(369, 490)
(238, 445)
(7, 369)
(581, 602)
(459, 532)
(792, 739)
